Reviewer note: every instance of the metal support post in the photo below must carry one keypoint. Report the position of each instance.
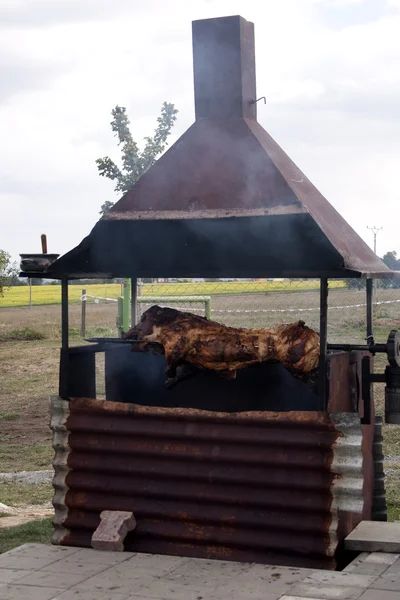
(83, 314)
(369, 289)
(64, 314)
(323, 332)
(134, 306)
(126, 307)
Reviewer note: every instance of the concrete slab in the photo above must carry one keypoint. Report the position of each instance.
(112, 582)
(58, 573)
(328, 592)
(383, 558)
(374, 536)
(94, 595)
(28, 592)
(102, 556)
(372, 595)
(298, 598)
(42, 551)
(387, 582)
(74, 565)
(394, 569)
(8, 575)
(357, 561)
(46, 579)
(28, 563)
(375, 569)
(340, 578)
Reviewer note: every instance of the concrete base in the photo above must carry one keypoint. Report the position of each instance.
(374, 536)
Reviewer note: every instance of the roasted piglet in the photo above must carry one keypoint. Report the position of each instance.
(185, 338)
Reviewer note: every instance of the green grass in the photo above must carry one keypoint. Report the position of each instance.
(51, 294)
(25, 457)
(38, 532)
(12, 494)
(21, 335)
(393, 500)
(6, 416)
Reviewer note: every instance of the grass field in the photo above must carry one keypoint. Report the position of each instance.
(51, 294)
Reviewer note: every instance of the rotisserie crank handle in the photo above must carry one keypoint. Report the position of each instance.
(392, 348)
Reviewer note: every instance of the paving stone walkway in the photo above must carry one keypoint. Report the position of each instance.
(39, 572)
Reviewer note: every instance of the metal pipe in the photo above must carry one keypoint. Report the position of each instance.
(323, 332)
(361, 347)
(369, 289)
(377, 377)
(120, 327)
(83, 314)
(64, 314)
(134, 305)
(44, 243)
(126, 306)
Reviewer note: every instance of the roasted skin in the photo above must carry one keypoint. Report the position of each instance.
(191, 339)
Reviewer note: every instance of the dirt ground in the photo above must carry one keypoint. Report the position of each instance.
(29, 371)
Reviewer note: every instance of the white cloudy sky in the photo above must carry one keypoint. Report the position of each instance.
(329, 69)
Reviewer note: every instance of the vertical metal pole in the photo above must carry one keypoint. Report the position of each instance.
(83, 314)
(120, 320)
(126, 306)
(323, 332)
(30, 293)
(64, 314)
(369, 289)
(134, 305)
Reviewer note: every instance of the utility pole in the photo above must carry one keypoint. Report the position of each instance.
(375, 231)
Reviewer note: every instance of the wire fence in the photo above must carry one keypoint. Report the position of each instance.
(264, 303)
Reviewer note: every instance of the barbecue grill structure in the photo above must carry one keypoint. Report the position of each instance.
(265, 486)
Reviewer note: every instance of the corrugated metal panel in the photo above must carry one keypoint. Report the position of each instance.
(266, 487)
(59, 415)
(379, 506)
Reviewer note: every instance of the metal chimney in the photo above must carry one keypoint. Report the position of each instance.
(224, 68)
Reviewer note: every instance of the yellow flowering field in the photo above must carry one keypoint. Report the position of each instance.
(51, 294)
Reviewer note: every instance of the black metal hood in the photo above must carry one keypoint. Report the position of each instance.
(225, 200)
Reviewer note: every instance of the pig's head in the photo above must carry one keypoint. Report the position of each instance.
(151, 322)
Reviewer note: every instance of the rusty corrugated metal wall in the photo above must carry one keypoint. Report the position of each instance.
(279, 488)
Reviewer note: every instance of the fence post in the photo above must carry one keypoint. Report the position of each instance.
(83, 314)
(207, 306)
(120, 326)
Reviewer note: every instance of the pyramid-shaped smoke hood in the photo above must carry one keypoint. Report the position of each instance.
(225, 200)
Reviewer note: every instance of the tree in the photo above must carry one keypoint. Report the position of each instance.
(390, 259)
(8, 270)
(134, 162)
